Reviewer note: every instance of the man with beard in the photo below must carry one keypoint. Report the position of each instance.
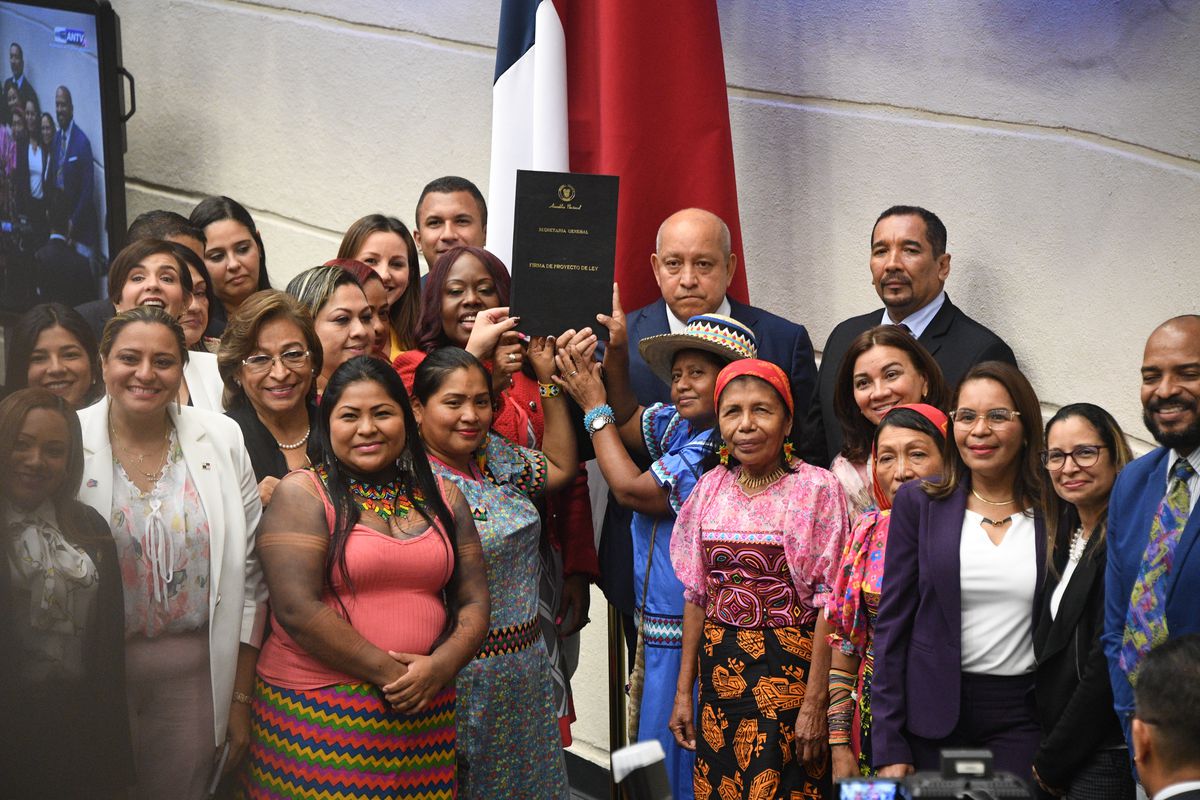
(1152, 585)
(909, 267)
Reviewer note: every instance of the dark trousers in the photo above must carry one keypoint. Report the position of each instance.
(996, 713)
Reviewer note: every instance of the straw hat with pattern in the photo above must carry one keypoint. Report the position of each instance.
(722, 336)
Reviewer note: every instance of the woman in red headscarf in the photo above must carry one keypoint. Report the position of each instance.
(757, 546)
(907, 444)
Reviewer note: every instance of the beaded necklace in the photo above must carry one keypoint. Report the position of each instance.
(385, 500)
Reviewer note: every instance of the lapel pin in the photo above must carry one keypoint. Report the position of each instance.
(206, 465)
(92, 483)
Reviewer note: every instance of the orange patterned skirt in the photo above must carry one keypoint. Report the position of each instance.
(751, 686)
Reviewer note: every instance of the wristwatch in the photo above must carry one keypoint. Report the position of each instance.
(597, 418)
(599, 422)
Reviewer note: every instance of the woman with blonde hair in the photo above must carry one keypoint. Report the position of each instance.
(385, 245)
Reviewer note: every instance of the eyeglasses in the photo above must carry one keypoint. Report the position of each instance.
(292, 359)
(995, 417)
(1084, 456)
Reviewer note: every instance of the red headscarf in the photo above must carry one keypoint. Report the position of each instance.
(757, 368)
(846, 607)
(927, 411)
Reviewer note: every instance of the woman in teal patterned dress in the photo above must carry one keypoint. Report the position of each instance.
(508, 739)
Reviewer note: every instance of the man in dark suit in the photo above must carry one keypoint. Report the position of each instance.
(63, 275)
(1152, 583)
(72, 171)
(909, 267)
(16, 60)
(693, 263)
(1166, 726)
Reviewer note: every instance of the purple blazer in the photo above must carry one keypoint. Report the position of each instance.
(918, 647)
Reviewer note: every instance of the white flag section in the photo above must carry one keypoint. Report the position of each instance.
(529, 123)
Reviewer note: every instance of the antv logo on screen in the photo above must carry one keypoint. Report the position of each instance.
(70, 37)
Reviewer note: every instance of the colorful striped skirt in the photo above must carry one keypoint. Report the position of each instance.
(345, 741)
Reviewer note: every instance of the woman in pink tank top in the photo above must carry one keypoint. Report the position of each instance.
(378, 596)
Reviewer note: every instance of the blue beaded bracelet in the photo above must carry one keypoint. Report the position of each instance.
(604, 410)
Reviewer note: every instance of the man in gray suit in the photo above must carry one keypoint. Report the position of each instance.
(909, 268)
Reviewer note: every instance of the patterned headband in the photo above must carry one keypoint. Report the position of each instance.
(756, 368)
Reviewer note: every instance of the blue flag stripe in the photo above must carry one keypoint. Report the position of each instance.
(517, 26)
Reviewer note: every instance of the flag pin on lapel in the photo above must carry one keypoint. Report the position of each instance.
(92, 483)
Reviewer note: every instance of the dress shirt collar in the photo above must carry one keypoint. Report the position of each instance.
(678, 325)
(1193, 482)
(1177, 788)
(919, 320)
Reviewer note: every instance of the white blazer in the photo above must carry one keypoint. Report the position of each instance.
(204, 381)
(219, 465)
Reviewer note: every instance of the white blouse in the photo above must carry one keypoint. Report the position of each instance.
(998, 582)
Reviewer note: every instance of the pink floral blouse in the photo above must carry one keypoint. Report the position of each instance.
(805, 511)
(162, 541)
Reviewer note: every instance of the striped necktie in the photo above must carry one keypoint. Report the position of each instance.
(1146, 620)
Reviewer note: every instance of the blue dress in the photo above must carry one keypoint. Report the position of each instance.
(508, 740)
(677, 450)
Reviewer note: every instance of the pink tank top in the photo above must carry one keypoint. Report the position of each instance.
(396, 604)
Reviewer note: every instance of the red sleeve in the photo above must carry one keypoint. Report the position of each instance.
(569, 522)
(406, 365)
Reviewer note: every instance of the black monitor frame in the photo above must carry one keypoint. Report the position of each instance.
(113, 113)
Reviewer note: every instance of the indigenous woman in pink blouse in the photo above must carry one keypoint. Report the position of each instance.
(908, 444)
(757, 547)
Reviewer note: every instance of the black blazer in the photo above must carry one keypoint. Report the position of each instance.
(265, 456)
(1074, 695)
(955, 341)
(70, 739)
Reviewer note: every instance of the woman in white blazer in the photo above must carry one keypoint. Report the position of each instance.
(178, 491)
(154, 272)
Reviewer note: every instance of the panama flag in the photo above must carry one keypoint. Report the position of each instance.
(619, 87)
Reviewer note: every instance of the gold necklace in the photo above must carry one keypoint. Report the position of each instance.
(983, 499)
(749, 482)
(141, 457)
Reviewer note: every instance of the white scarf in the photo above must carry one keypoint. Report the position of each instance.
(60, 576)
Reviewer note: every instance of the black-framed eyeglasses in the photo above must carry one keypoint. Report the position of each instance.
(1085, 455)
(292, 359)
(994, 417)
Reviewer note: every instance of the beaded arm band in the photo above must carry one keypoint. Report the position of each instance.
(841, 705)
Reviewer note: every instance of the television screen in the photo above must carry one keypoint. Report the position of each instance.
(62, 197)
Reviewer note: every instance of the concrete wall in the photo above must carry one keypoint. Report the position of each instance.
(1059, 141)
